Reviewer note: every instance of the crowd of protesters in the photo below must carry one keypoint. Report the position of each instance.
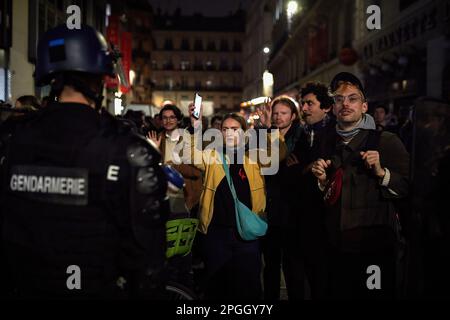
(332, 207)
(329, 207)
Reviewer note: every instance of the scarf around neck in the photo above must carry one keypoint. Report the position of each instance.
(366, 122)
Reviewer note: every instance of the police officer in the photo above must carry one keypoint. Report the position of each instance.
(83, 211)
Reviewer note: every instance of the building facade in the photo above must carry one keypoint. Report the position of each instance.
(136, 17)
(197, 54)
(409, 56)
(406, 58)
(257, 46)
(308, 43)
(22, 22)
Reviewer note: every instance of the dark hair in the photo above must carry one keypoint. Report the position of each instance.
(136, 117)
(79, 81)
(185, 122)
(238, 118)
(386, 110)
(173, 108)
(149, 124)
(320, 90)
(215, 118)
(289, 102)
(29, 100)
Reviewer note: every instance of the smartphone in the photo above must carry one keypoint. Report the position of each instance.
(197, 106)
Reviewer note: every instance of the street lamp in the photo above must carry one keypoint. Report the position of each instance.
(267, 76)
(291, 10)
(118, 108)
(267, 84)
(132, 77)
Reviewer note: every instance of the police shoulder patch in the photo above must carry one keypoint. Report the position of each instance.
(66, 186)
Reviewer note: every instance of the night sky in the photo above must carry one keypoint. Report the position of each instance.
(214, 8)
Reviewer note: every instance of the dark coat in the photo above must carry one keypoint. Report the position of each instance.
(306, 213)
(280, 188)
(365, 207)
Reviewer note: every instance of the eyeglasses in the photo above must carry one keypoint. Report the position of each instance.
(352, 99)
(171, 118)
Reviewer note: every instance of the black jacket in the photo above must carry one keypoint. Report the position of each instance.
(365, 205)
(80, 188)
(307, 212)
(280, 188)
(224, 214)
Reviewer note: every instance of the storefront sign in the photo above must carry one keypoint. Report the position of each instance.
(404, 33)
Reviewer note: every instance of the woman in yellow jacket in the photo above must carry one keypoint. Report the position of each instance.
(232, 265)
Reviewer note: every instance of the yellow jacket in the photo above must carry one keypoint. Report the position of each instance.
(213, 173)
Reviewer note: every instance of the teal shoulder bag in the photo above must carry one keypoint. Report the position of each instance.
(250, 225)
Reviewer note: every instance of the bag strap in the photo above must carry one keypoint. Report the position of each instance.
(227, 174)
(372, 143)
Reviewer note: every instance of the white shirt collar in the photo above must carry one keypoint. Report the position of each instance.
(175, 136)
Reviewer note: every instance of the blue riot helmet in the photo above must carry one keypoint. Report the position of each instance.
(62, 53)
(82, 50)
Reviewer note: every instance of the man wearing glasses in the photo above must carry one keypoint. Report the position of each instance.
(183, 201)
(170, 117)
(360, 176)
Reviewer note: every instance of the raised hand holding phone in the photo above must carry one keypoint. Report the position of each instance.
(195, 111)
(197, 106)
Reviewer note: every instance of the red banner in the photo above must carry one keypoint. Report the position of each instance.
(112, 36)
(125, 49)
